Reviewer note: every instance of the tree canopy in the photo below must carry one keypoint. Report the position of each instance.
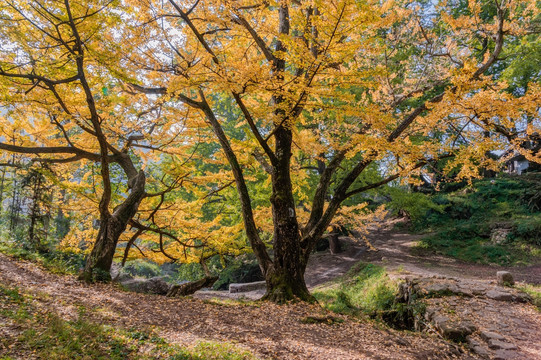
(303, 106)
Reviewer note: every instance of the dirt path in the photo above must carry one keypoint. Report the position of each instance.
(271, 331)
(395, 253)
(504, 329)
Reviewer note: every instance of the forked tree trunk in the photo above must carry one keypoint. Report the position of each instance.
(99, 261)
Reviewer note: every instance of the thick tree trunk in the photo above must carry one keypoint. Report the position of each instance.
(287, 284)
(285, 279)
(99, 261)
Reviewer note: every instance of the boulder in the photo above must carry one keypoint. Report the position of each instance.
(238, 288)
(488, 335)
(476, 347)
(499, 295)
(497, 344)
(456, 331)
(155, 285)
(115, 271)
(505, 278)
(499, 235)
(505, 355)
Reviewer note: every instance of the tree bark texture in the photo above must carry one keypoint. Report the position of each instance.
(100, 259)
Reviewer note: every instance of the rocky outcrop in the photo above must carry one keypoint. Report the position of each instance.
(469, 312)
(155, 285)
(499, 235)
(441, 286)
(239, 288)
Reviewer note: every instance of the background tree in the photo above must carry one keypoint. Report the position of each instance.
(62, 107)
(111, 149)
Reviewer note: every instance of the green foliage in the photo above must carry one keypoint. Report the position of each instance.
(240, 270)
(413, 204)
(534, 291)
(55, 261)
(528, 230)
(189, 272)
(474, 213)
(48, 336)
(142, 268)
(365, 289)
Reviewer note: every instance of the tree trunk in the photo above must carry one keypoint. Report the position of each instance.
(13, 211)
(35, 241)
(99, 261)
(287, 283)
(2, 190)
(334, 244)
(285, 279)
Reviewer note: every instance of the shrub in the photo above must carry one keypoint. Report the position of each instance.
(415, 205)
(243, 269)
(142, 268)
(472, 213)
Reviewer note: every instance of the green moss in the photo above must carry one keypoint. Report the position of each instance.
(534, 291)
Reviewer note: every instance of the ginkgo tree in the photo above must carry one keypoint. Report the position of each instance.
(57, 106)
(63, 105)
(340, 85)
(125, 161)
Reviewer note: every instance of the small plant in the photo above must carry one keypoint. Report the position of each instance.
(412, 204)
(367, 289)
(534, 291)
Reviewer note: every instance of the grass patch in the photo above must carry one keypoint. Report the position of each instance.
(534, 291)
(47, 336)
(55, 261)
(366, 288)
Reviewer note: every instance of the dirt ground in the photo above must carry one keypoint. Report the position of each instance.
(268, 330)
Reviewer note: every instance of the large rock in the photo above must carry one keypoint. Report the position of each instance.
(155, 285)
(497, 344)
(238, 288)
(505, 278)
(489, 335)
(456, 331)
(499, 295)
